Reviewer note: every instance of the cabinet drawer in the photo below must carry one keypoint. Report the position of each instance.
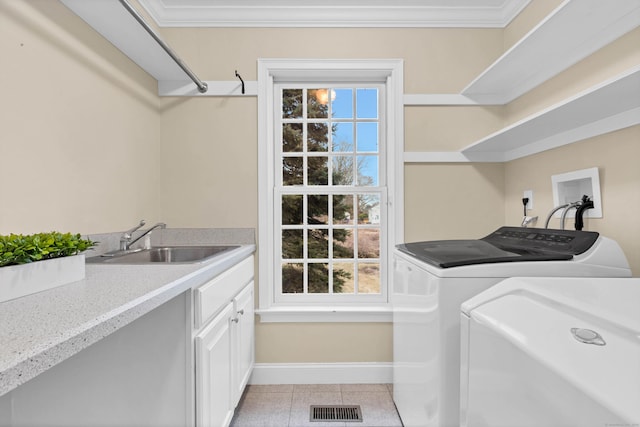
(219, 291)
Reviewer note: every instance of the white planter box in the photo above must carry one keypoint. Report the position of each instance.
(25, 279)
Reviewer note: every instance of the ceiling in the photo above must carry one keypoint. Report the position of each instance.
(334, 13)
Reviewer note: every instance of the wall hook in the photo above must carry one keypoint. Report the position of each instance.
(238, 76)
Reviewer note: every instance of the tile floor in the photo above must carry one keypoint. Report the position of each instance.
(289, 405)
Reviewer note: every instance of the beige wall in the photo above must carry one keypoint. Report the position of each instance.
(435, 60)
(453, 200)
(324, 342)
(79, 126)
(209, 162)
(527, 19)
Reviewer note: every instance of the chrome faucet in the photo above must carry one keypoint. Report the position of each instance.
(127, 238)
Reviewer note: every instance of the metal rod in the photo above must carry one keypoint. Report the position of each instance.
(202, 86)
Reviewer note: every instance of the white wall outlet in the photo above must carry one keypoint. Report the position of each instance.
(528, 194)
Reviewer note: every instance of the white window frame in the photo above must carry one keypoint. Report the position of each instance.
(272, 71)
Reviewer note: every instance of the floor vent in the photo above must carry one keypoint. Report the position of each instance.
(342, 413)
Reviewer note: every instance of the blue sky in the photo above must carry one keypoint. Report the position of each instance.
(366, 106)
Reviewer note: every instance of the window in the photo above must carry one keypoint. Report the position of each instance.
(329, 193)
(328, 144)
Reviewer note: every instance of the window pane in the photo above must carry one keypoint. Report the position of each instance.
(291, 137)
(342, 209)
(343, 278)
(342, 167)
(319, 278)
(368, 243)
(368, 208)
(342, 105)
(292, 103)
(317, 136)
(292, 171)
(367, 137)
(318, 171)
(367, 171)
(367, 103)
(292, 244)
(318, 209)
(318, 243)
(343, 137)
(292, 278)
(369, 278)
(292, 210)
(318, 103)
(343, 243)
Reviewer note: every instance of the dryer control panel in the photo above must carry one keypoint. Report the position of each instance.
(570, 242)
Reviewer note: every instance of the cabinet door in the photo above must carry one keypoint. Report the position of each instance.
(213, 371)
(243, 336)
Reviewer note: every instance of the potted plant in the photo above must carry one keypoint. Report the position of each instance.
(33, 263)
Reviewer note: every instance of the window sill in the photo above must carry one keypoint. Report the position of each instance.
(301, 314)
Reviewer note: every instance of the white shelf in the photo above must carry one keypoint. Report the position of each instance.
(575, 30)
(609, 106)
(115, 23)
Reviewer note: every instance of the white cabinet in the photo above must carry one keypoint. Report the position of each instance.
(213, 371)
(243, 341)
(224, 344)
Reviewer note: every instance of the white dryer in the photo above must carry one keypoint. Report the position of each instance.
(431, 281)
(549, 352)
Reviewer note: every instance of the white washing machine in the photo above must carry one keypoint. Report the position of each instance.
(431, 281)
(549, 352)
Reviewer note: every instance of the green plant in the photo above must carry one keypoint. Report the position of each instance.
(19, 249)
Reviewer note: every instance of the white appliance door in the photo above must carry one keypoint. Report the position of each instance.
(527, 369)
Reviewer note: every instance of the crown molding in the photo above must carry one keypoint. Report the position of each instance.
(334, 13)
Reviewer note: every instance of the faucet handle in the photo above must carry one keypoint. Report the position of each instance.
(127, 234)
(125, 239)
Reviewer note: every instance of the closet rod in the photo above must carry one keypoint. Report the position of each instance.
(202, 86)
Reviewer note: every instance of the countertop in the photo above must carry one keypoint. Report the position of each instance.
(41, 330)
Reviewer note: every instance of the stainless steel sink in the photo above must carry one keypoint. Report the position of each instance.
(163, 254)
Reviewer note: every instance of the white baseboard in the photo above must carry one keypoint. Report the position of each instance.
(322, 373)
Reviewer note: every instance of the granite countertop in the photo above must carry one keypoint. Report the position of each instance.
(41, 330)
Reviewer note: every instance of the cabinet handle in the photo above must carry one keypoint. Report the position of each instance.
(236, 320)
(241, 312)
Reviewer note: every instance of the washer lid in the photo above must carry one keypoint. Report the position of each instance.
(584, 329)
(507, 244)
